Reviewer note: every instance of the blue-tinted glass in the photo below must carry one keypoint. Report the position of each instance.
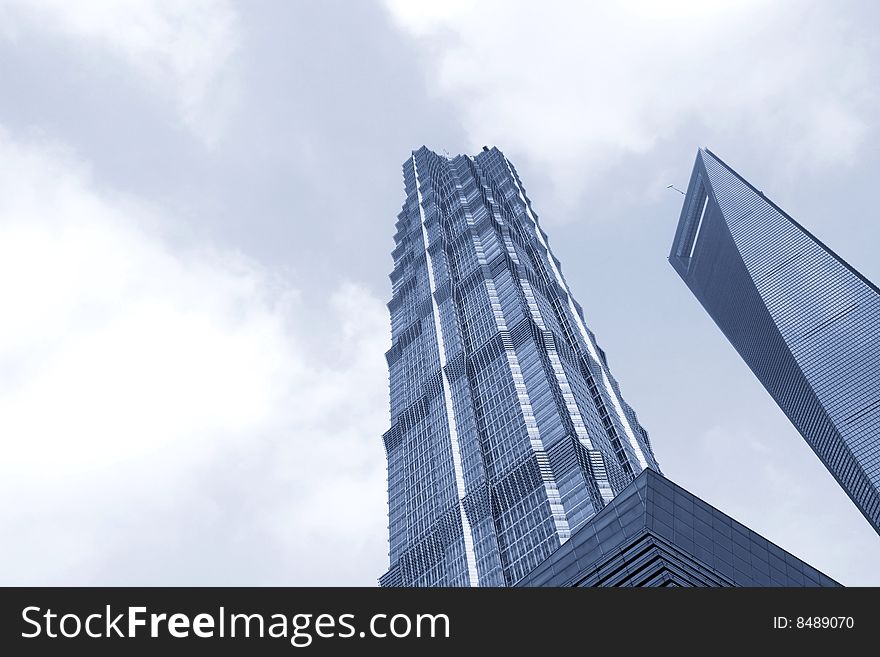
(658, 555)
(508, 430)
(805, 322)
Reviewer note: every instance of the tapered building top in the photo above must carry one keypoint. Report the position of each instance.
(508, 431)
(805, 321)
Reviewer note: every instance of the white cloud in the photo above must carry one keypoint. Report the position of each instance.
(167, 416)
(579, 87)
(185, 50)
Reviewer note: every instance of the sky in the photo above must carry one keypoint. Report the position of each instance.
(197, 204)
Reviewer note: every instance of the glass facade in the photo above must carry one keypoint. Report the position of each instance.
(655, 533)
(805, 322)
(508, 431)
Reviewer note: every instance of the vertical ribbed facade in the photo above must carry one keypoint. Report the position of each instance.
(508, 431)
(805, 322)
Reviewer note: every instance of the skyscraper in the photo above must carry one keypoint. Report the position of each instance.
(805, 322)
(508, 431)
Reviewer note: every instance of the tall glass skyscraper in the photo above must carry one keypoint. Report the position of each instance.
(805, 322)
(508, 431)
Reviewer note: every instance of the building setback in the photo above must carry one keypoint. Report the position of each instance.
(655, 533)
(804, 321)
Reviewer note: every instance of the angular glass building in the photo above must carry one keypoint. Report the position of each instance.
(805, 322)
(508, 431)
(655, 533)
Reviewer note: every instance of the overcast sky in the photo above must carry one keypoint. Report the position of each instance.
(197, 203)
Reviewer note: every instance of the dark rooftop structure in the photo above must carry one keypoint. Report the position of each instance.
(655, 533)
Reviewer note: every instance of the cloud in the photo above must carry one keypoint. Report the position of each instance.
(184, 50)
(580, 87)
(167, 415)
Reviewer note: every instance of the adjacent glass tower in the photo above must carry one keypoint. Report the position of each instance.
(508, 431)
(805, 322)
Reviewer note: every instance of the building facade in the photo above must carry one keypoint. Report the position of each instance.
(508, 431)
(655, 533)
(805, 322)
